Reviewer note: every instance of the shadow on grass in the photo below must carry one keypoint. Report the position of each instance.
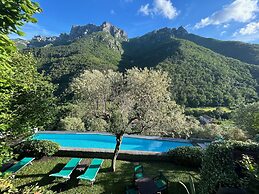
(44, 181)
(67, 184)
(115, 182)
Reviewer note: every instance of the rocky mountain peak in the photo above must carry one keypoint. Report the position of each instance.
(169, 32)
(181, 31)
(79, 31)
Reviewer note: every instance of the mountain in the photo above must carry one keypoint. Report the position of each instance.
(78, 32)
(248, 53)
(201, 75)
(85, 47)
(21, 43)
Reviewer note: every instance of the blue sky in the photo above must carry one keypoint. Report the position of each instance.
(221, 19)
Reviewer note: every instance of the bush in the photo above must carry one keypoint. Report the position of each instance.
(187, 156)
(220, 165)
(214, 132)
(256, 138)
(36, 148)
(72, 124)
(35, 189)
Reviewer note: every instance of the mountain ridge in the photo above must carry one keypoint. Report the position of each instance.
(200, 76)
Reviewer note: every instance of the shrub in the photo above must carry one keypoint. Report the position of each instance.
(187, 156)
(72, 124)
(220, 165)
(256, 138)
(247, 118)
(36, 148)
(213, 131)
(35, 189)
(6, 186)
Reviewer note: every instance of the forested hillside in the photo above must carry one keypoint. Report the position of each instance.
(63, 62)
(245, 52)
(200, 76)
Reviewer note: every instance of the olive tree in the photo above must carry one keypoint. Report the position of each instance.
(136, 102)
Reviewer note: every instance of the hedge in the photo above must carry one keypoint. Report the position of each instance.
(186, 156)
(36, 148)
(220, 165)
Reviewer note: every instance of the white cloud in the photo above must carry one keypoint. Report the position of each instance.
(144, 9)
(160, 7)
(250, 28)
(248, 33)
(112, 12)
(225, 25)
(222, 33)
(32, 29)
(239, 11)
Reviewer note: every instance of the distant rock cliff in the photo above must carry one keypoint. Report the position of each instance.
(77, 32)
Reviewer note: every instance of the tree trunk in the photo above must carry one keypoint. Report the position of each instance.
(116, 151)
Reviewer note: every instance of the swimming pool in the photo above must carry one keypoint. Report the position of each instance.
(103, 141)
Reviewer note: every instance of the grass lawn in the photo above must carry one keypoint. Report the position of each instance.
(106, 181)
(207, 109)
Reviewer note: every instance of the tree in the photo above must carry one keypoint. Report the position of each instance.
(13, 14)
(135, 102)
(33, 104)
(246, 117)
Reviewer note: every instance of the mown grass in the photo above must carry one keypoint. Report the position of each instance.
(106, 181)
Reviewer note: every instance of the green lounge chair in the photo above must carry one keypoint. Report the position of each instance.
(92, 170)
(161, 182)
(68, 169)
(19, 165)
(138, 172)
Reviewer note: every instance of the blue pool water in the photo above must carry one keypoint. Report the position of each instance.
(108, 142)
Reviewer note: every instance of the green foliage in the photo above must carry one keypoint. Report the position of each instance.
(247, 116)
(220, 165)
(136, 102)
(217, 113)
(64, 62)
(33, 103)
(36, 148)
(186, 156)
(215, 132)
(199, 76)
(35, 189)
(191, 186)
(203, 78)
(5, 152)
(7, 187)
(13, 14)
(248, 53)
(250, 166)
(72, 124)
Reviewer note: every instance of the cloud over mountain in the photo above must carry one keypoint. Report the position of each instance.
(239, 11)
(164, 8)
